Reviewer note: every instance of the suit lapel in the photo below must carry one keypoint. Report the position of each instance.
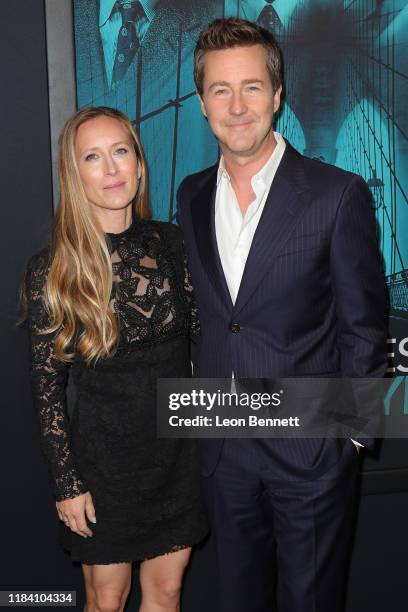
(203, 218)
(285, 202)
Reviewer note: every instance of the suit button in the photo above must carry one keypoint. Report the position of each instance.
(235, 328)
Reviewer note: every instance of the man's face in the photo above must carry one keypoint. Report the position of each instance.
(238, 99)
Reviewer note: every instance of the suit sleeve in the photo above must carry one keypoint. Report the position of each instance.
(359, 285)
(361, 303)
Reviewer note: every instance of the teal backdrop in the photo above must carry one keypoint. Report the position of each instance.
(374, 40)
(346, 86)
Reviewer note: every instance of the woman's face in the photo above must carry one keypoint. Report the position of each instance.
(107, 163)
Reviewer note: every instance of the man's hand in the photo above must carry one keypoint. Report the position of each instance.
(73, 512)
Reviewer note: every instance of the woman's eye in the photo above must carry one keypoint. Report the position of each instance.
(91, 157)
(121, 151)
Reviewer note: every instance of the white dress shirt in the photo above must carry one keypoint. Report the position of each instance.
(235, 231)
(110, 22)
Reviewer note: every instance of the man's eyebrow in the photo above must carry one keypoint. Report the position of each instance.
(227, 84)
(248, 81)
(219, 84)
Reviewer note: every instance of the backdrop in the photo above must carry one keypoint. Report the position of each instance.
(346, 87)
(346, 66)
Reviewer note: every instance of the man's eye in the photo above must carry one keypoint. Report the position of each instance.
(253, 88)
(220, 91)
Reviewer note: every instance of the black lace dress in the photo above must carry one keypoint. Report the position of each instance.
(145, 490)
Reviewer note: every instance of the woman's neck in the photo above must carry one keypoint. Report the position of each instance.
(115, 221)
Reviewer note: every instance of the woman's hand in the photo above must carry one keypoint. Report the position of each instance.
(73, 512)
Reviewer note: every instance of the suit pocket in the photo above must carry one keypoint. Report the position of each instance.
(299, 243)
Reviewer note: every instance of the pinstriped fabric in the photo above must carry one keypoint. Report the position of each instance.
(312, 300)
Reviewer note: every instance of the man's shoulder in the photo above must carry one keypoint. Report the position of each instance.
(328, 171)
(194, 182)
(327, 176)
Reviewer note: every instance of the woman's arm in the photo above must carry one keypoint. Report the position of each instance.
(48, 380)
(194, 321)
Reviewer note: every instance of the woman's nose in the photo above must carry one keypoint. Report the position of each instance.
(110, 165)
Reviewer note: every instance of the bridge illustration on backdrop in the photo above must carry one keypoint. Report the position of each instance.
(346, 87)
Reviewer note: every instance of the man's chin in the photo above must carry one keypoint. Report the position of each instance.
(242, 151)
(245, 147)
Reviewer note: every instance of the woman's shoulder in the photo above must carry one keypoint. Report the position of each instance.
(38, 264)
(171, 231)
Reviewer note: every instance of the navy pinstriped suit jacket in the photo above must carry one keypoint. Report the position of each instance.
(312, 300)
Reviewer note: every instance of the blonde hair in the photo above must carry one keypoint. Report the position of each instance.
(79, 281)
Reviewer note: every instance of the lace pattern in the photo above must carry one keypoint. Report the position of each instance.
(48, 378)
(153, 298)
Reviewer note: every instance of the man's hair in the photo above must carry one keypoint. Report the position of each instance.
(234, 32)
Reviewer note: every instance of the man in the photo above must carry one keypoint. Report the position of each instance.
(284, 261)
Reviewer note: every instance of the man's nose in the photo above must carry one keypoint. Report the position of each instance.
(238, 105)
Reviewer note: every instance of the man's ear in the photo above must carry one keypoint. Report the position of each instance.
(277, 99)
(202, 105)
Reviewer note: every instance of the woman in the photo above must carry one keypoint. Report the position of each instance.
(111, 298)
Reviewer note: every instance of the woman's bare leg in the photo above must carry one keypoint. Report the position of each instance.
(161, 580)
(107, 586)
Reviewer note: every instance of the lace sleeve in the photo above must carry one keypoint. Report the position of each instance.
(48, 381)
(194, 322)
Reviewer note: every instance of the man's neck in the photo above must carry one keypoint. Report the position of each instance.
(242, 169)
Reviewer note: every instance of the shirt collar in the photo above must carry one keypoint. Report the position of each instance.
(222, 172)
(106, 8)
(267, 172)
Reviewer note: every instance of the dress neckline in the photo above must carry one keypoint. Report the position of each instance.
(128, 230)
(114, 240)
